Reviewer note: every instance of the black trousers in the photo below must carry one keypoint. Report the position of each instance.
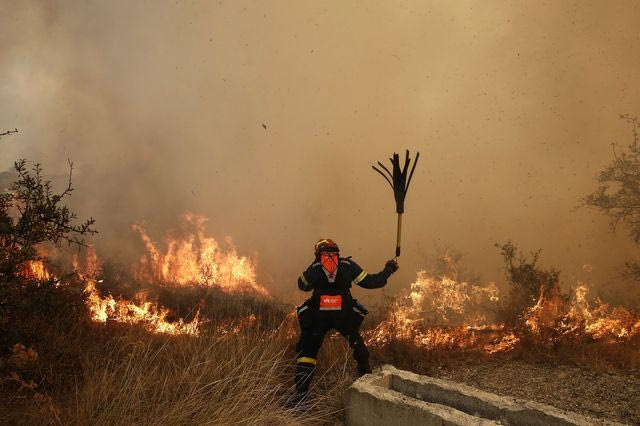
(312, 334)
(314, 325)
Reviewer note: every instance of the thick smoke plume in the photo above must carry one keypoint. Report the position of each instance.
(266, 116)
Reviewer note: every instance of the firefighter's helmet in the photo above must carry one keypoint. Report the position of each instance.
(325, 245)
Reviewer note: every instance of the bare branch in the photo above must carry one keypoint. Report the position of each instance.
(8, 132)
(618, 193)
(41, 218)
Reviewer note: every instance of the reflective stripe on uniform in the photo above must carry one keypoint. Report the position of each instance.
(304, 281)
(303, 308)
(359, 278)
(307, 360)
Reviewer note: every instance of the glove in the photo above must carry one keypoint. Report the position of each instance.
(391, 266)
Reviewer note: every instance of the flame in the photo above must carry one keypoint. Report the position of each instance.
(196, 259)
(36, 270)
(140, 311)
(190, 259)
(436, 312)
(579, 318)
(546, 313)
(445, 313)
(505, 344)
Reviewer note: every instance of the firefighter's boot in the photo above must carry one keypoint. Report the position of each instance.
(304, 375)
(363, 367)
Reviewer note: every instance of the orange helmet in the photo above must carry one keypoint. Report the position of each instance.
(326, 244)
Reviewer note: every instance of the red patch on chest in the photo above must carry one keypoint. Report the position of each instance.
(330, 302)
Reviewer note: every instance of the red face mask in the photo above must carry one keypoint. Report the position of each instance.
(329, 261)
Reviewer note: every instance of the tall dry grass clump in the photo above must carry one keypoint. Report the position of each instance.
(234, 379)
(103, 374)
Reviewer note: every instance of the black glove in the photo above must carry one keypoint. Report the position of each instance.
(390, 267)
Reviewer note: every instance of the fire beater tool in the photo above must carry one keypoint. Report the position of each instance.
(399, 182)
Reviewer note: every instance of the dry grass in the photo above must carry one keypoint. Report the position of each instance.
(236, 372)
(237, 379)
(115, 374)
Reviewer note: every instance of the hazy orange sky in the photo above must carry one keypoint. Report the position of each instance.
(513, 106)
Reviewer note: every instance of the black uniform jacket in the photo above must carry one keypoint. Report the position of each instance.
(347, 275)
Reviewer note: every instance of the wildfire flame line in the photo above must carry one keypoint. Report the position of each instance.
(190, 259)
(149, 314)
(196, 259)
(445, 313)
(434, 313)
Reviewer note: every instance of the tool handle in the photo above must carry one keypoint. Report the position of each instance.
(399, 234)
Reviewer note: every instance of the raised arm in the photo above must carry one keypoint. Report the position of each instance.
(371, 281)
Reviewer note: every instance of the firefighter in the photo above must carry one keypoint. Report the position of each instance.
(331, 306)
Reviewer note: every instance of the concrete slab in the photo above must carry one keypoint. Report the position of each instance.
(392, 396)
(371, 405)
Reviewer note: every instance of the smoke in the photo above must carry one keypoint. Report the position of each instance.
(161, 106)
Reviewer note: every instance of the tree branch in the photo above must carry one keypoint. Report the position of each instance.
(8, 132)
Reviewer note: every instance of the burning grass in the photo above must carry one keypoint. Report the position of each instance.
(443, 317)
(188, 335)
(191, 258)
(239, 366)
(105, 359)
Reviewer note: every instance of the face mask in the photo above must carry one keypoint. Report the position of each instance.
(329, 262)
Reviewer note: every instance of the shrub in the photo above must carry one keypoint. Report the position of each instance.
(526, 278)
